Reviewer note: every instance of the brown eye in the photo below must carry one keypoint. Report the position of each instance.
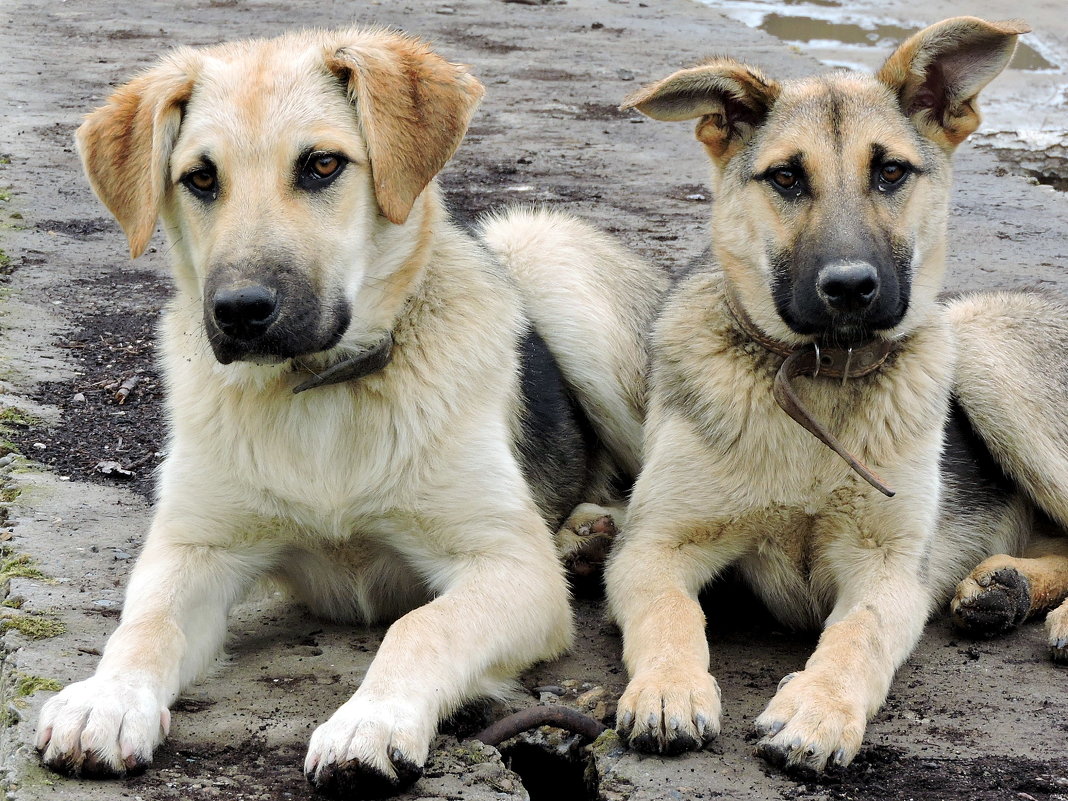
(891, 175)
(203, 180)
(318, 170)
(203, 183)
(784, 179)
(325, 165)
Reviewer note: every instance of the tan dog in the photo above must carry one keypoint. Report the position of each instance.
(828, 253)
(365, 405)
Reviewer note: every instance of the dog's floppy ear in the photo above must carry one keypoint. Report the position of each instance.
(730, 98)
(414, 108)
(126, 144)
(938, 73)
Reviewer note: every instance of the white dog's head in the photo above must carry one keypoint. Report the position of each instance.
(288, 174)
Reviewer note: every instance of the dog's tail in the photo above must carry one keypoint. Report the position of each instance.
(593, 303)
(1012, 381)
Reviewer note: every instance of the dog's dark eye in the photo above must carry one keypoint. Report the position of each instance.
(891, 175)
(790, 183)
(326, 165)
(202, 182)
(320, 169)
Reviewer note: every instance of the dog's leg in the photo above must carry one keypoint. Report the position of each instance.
(173, 624)
(499, 609)
(672, 703)
(818, 715)
(1003, 590)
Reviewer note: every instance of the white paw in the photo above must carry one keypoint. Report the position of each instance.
(369, 749)
(810, 725)
(669, 711)
(101, 727)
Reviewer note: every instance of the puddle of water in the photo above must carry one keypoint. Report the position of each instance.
(808, 29)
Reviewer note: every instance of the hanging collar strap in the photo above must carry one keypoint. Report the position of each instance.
(811, 361)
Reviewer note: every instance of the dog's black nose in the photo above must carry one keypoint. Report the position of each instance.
(848, 286)
(244, 313)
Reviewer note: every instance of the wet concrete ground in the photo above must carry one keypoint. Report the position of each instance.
(967, 720)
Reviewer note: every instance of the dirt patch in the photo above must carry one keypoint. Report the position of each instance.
(80, 229)
(251, 771)
(882, 773)
(106, 436)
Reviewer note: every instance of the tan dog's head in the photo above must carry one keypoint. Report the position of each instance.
(288, 173)
(832, 192)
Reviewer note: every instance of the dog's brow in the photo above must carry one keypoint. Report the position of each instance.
(792, 160)
(880, 154)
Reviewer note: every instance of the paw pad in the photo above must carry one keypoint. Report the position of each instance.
(1000, 606)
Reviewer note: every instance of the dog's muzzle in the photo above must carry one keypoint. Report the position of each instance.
(269, 316)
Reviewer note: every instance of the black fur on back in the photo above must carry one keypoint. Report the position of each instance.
(976, 474)
(555, 438)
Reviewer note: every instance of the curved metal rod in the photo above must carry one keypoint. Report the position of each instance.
(561, 717)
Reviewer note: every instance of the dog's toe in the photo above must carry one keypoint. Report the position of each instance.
(810, 726)
(991, 603)
(670, 714)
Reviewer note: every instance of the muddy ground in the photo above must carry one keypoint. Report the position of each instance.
(965, 719)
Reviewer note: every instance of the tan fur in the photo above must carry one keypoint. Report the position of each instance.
(395, 497)
(729, 478)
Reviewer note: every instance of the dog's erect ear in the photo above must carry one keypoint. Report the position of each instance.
(414, 108)
(126, 145)
(730, 98)
(938, 73)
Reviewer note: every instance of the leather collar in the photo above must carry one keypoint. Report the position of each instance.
(369, 359)
(811, 361)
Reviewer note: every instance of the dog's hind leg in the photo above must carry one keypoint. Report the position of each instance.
(585, 539)
(1004, 590)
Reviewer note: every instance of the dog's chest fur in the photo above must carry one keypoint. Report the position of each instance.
(773, 483)
(345, 458)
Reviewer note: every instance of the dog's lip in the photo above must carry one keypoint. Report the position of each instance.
(268, 351)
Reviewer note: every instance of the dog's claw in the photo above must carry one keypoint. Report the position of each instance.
(785, 680)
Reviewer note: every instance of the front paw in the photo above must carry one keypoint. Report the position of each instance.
(368, 750)
(810, 725)
(669, 712)
(100, 728)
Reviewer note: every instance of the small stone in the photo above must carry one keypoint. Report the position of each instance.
(446, 10)
(120, 555)
(625, 75)
(105, 603)
(550, 688)
(78, 397)
(597, 26)
(590, 698)
(39, 446)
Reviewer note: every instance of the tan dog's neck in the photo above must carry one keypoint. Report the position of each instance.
(802, 361)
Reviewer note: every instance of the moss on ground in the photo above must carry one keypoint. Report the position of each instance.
(26, 685)
(18, 565)
(31, 626)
